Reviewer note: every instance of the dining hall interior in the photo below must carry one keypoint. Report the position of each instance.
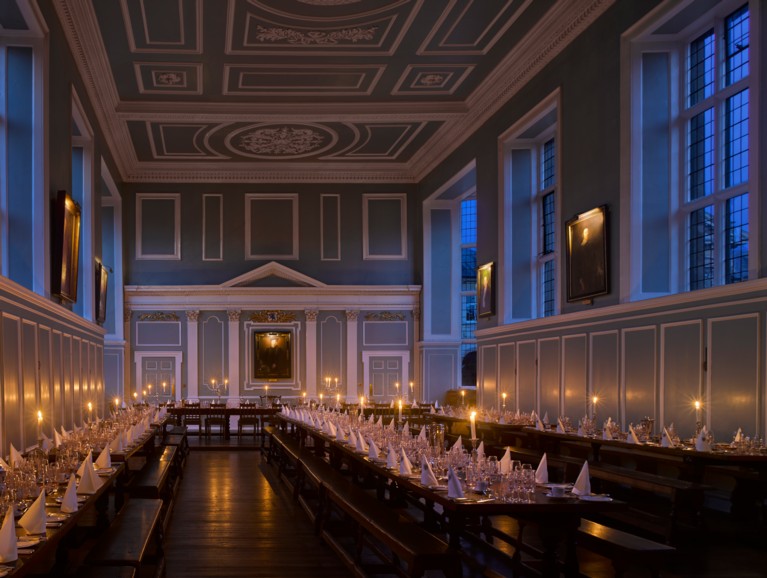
(383, 287)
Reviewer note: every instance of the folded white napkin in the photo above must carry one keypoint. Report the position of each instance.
(738, 436)
(502, 420)
(436, 404)
(47, 444)
(406, 428)
(560, 426)
(422, 433)
(427, 474)
(331, 429)
(87, 461)
(391, 458)
(506, 462)
(69, 500)
(105, 459)
(373, 450)
(34, 519)
(481, 450)
(372, 418)
(606, 435)
(352, 441)
(340, 433)
(539, 424)
(415, 405)
(405, 467)
(701, 443)
(379, 423)
(89, 482)
(16, 457)
(8, 549)
(542, 473)
(360, 444)
(432, 410)
(546, 418)
(64, 433)
(4, 465)
(582, 486)
(458, 443)
(392, 425)
(665, 439)
(116, 445)
(632, 437)
(581, 433)
(454, 488)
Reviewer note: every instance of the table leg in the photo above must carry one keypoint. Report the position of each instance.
(552, 532)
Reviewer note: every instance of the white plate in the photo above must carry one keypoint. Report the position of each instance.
(80, 499)
(438, 488)
(553, 485)
(595, 498)
(550, 495)
(55, 517)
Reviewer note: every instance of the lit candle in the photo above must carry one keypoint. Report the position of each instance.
(321, 396)
(473, 422)
(135, 397)
(304, 395)
(338, 399)
(698, 407)
(266, 389)
(411, 388)
(463, 396)
(336, 383)
(164, 387)
(362, 402)
(39, 425)
(400, 410)
(90, 411)
(503, 395)
(594, 401)
(117, 403)
(396, 386)
(226, 384)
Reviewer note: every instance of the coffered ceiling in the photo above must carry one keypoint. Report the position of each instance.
(305, 90)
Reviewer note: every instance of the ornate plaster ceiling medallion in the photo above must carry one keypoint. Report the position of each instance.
(350, 35)
(169, 78)
(278, 141)
(432, 79)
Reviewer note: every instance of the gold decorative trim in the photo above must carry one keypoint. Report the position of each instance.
(273, 317)
(158, 316)
(384, 316)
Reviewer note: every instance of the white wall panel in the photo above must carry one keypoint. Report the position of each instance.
(489, 390)
(527, 376)
(574, 376)
(681, 374)
(507, 371)
(639, 374)
(604, 373)
(549, 359)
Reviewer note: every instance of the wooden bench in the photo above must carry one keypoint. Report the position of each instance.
(158, 480)
(395, 540)
(623, 549)
(134, 538)
(180, 441)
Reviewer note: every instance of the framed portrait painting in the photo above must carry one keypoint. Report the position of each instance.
(273, 357)
(486, 290)
(102, 280)
(65, 247)
(587, 274)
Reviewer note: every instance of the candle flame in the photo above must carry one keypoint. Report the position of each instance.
(473, 415)
(594, 400)
(697, 404)
(39, 415)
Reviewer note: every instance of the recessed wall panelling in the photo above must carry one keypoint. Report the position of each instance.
(212, 227)
(154, 333)
(212, 364)
(46, 379)
(331, 343)
(440, 272)
(77, 380)
(490, 395)
(733, 400)
(58, 378)
(29, 377)
(574, 376)
(604, 374)
(330, 223)
(681, 366)
(271, 226)
(441, 375)
(12, 407)
(68, 389)
(526, 376)
(384, 227)
(384, 333)
(639, 373)
(113, 371)
(549, 359)
(158, 226)
(507, 371)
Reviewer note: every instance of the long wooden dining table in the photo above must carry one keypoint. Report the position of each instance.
(262, 413)
(557, 519)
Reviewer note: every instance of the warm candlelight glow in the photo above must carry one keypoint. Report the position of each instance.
(473, 422)
(117, 402)
(503, 395)
(594, 400)
(135, 395)
(697, 404)
(39, 416)
(90, 407)
(338, 398)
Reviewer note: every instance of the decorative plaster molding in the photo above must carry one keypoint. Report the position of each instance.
(273, 317)
(158, 316)
(127, 311)
(192, 316)
(275, 34)
(234, 314)
(352, 315)
(384, 316)
(311, 315)
(273, 269)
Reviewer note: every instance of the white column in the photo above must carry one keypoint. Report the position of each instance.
(233, 371)
(417, 377)
(129, 385)
(192, 365)
(311, 353)
(351, 355)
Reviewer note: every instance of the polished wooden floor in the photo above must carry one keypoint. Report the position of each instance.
(233, 518)
(229, 522)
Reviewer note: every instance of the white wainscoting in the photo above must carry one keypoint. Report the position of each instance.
(652, 358)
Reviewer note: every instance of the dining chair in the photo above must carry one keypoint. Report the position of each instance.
(216, 420)
(248, 421)
(192, 418)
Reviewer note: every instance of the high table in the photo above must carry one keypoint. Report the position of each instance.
(557, 519)
(261, 413)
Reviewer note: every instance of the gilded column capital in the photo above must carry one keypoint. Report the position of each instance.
(311, 315)
(234, 314)
(352, 315)
(192, 316)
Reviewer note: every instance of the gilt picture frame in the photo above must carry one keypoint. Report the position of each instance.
(587, 250)
(273, 355)
(102, 282)
(486, 290)
(65, 247)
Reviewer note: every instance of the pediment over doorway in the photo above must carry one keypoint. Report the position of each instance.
(273, 274)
